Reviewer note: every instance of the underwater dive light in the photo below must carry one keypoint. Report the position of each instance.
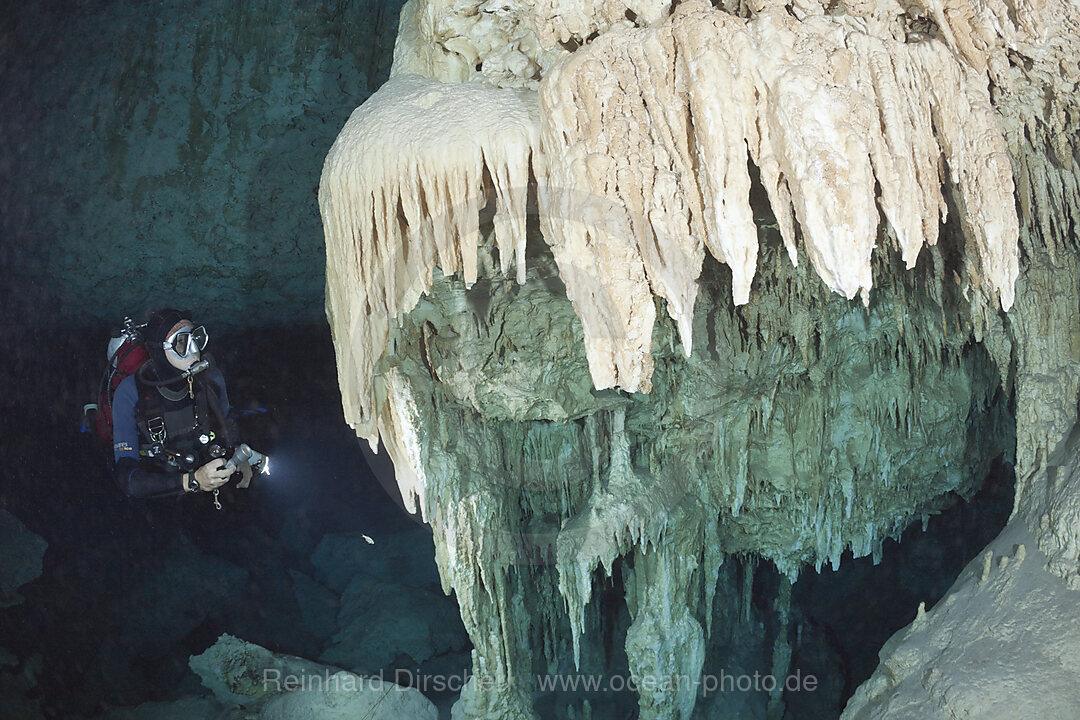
(244, 454)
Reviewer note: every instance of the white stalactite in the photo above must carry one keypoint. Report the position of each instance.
(637, 128)
(401, 193)
(646, 136)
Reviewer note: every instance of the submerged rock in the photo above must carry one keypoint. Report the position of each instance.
(21, 554)
(274, 686)
(1004, 641)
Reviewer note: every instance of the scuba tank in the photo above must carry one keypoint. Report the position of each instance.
(124, 355)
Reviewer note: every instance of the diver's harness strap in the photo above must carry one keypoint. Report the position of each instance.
(180, 439)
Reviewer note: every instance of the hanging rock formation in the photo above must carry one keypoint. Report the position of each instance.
(572, 388)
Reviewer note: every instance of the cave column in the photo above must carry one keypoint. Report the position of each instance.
(665, 644)
(495, 616)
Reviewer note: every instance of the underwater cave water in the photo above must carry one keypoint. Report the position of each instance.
(131, 589)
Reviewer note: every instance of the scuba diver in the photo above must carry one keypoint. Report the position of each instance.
(170, 430)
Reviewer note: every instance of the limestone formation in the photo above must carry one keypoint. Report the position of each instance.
(273, 686)
(589, 272)
(399, 204)
(1011, 602)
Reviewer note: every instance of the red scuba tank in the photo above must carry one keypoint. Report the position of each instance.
(126, 355)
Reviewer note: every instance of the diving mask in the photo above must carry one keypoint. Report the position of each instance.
(187, 341)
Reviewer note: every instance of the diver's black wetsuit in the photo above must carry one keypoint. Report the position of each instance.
(141, 477)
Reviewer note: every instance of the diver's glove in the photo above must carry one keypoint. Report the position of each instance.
(212, 475)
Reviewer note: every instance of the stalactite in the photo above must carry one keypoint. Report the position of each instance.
(395, 206)
(783, 422)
